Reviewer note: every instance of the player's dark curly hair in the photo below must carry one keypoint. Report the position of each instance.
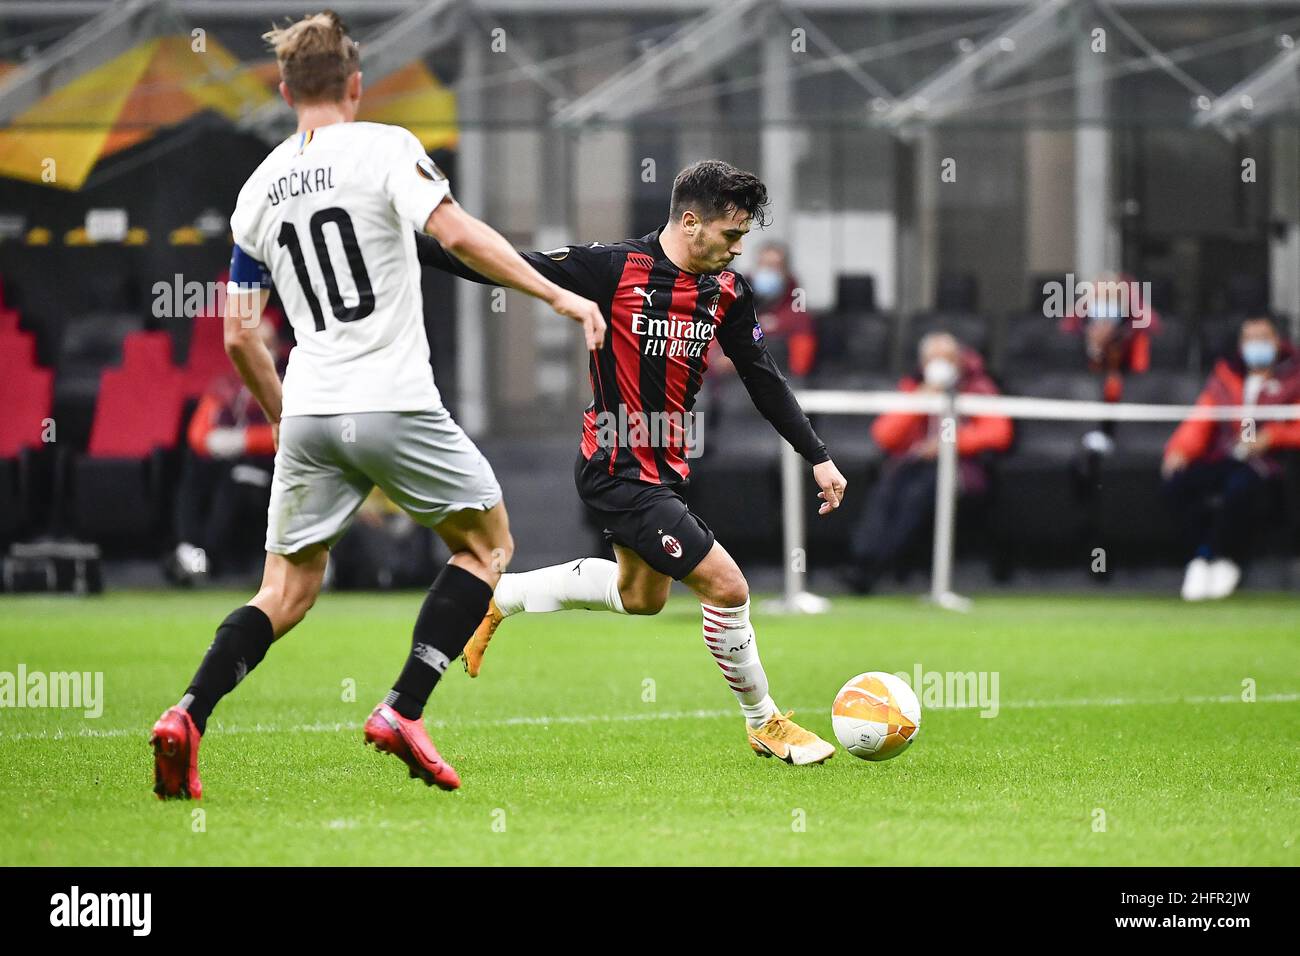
(712, 188)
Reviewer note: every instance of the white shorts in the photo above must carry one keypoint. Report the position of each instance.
(327, 464)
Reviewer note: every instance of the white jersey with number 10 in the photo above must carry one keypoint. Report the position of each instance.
(331, 215)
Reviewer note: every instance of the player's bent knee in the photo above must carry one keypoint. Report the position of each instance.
(732, 591)
(638, 603)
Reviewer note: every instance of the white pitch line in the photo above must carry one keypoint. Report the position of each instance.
(544, 721)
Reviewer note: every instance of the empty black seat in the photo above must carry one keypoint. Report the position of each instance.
(1217, 337)
(1162, 387)
(88, 345)
(1033, 342)
(1169, 343)
(971, 330)
(956, 292)
(1077, 386)
(855, 293)
(854, 341)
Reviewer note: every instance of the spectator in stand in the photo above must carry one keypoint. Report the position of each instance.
(225, 480)
(788, 330)
(1116, 343)
(787, 323)
(1218, 473)
(902, 502)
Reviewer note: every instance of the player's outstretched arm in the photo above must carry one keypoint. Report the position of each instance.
(741, 338)
(248, 352)
(486, 252)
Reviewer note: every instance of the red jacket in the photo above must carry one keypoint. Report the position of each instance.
(229, 404)
(901, 432)
(782, 322)
(1203, 439)
(1127, 351)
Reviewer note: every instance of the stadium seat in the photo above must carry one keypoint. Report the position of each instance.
(1163, 387)
(1162, 294)
(1170, 343)
(1076, 385)
(1247, 293)
(1216, 336)
(26, 396)
(1134, 524)
(848, 437)
(956, 292)
(118, 487)
(207, 358)
(729, 464)
(853, 343)
(1131, 520)
(971, 330)
(139, 401)
(1034, 304)
(88, 345)
(1034, 342)
(855, 293)
(1038, 500)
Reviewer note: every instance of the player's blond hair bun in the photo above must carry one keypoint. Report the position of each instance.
(316, 56)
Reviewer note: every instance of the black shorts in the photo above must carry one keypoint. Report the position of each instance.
(652, 520)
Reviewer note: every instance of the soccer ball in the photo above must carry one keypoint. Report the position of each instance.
(876, 716)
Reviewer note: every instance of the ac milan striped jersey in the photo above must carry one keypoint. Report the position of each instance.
(645, 378)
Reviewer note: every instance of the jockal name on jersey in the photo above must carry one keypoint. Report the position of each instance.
(299, 182)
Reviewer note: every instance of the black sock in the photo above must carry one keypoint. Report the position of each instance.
(451, 610)
(240, 644)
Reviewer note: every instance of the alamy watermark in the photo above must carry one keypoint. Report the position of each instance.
(1108, 299)
(130, 910)
(176, 298)
(76, 690)
(955, 689)
(680, 432)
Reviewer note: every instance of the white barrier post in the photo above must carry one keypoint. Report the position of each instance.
(794, 598)
(791, 524)
(945, 512)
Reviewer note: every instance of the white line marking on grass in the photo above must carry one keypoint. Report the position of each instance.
(1134, 702)
(543, 721)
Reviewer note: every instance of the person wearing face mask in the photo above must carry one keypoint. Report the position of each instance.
(1116, 328)
(786, 322)
(1217, 472)
(902, 501)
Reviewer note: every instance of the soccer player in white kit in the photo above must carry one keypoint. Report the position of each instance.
(329, 220)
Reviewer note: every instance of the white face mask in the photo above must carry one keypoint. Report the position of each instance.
(940, 373)
(767, 283)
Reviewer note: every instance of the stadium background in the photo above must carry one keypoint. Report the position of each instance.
(566, 121)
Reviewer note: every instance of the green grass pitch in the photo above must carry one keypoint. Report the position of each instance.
(1121, 738)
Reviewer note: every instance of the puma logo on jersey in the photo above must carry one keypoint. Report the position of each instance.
(644, 294)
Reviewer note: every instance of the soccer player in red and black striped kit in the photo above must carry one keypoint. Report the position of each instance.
(665, 297)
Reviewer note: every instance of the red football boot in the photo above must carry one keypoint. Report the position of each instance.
(175, 742)
(392, 733)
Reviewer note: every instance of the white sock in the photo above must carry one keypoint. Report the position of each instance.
(588, 583)
(730, 639)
